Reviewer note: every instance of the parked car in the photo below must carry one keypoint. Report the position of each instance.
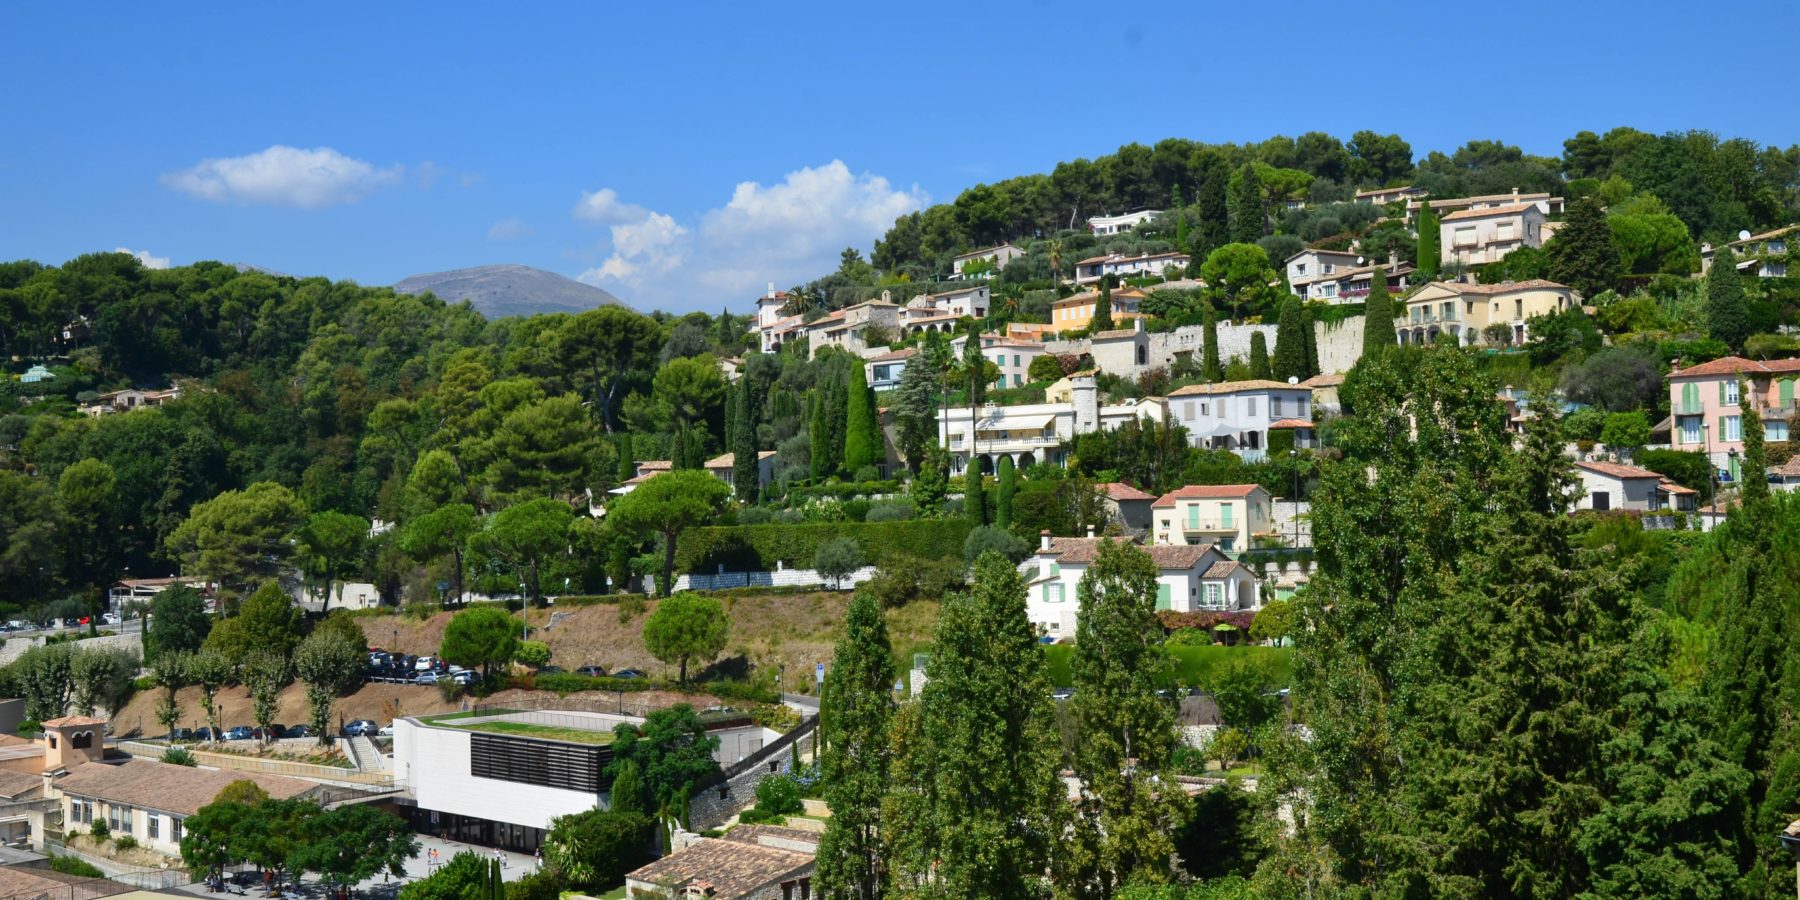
(298, 731)
(386, 730)
(272, 733)
(426, 678)
(628, 673)
(552, 670)
(182, 734)
(109, 619)
(203, 734)
(592, 671)
(424, 663)
(1062, 693)
(464, 678)
(361, 728)
(240, 733)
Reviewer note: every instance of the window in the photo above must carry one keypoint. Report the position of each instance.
(174, 829)
(1299, 268)
(1250, 406)
(153, 825)
(1518, 309)
(1690, 401)
(1731, 428)
(1015, 360)
(1225, 511)
(1162, 596)
(1215, 596)
(1053, 593)
(1690, 429)
(119, 819)
(1188, 410)
(1602, 500)
(1775, 430)
(1275, 407)
(1731, 391)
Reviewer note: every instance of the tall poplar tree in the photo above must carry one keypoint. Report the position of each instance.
(1290, 342)
(1129, 804)
(1259, 356)
(1378, 315)
(977, 802)
(857, 754)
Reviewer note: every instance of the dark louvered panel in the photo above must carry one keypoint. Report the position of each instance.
(549, 764)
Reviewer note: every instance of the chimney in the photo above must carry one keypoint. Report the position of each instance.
(1393, 261)
(771, 290)
(1090, 531)
(1044, 540)
(1137, 324)
(1515, 195)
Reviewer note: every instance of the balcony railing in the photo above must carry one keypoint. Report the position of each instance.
(1193, 527)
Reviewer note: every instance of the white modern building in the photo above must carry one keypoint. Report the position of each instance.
(1312, 265)
(996, 257)
(1033, 433)
(1102, 226)
(944, 311)
(1238, 415)
(883, 370)
(1188, 579)
(1094, 268)
(469, 781)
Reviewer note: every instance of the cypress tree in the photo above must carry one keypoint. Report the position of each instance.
(1103, 317)
(862, 431)
(1583, 255)
(627, 464)
(744, 469)
(1755, 473)
(1127, 733)
(974, 494)
(1430, 240)
(1727, 315)
(1003, 494)
(1290, 342)
(1247, 220)
(1212, 180)
(1259, 356)
(977, 803)
(1378, 315)
(1310, 333)
(856, 760)
(1210, 368)
(818, 434)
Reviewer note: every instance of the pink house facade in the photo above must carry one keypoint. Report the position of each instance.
(1707, 403)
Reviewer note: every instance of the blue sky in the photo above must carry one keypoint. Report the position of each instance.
(682, 155)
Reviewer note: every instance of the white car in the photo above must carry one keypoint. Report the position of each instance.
(425, 664)
(386, 730)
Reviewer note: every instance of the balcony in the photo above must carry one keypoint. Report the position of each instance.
(1203, 527)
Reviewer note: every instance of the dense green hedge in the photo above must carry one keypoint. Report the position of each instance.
(1194, 665)
(757, 548)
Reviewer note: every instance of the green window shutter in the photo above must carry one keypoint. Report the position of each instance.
(1722, 428)
(1787, 392)
(1193, 515)
(1721, 392)
(1225, 516)
(1162, 596)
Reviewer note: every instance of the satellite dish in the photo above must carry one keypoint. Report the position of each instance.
(1359, 260)
(1293, 379)
(1744, 235)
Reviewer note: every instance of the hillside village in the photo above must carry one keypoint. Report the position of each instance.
(1301, 518)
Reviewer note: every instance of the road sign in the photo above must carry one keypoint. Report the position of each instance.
(819, 673)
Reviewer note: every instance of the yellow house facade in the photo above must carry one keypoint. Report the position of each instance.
(1468, 311)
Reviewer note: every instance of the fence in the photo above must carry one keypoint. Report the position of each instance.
(117, 873)
(308, 771)
(782, 578)
(543, 710)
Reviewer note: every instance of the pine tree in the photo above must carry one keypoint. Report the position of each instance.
(862, 430)
(976, 805)
(1290, 342)
(1103, 311)
(1430, 247)
(1125, 733)
(1259, 356)
(857, 754)
(1247, 215)
(745, 477)
(1727, 315)
(915, 410)
(1003, 494)
(1583, 255)
(1210, 368)
(1378, 315)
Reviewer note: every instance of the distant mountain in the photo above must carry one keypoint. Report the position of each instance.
(510, 290)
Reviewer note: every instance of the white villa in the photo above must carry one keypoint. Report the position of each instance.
(1102, 226)
(1238, 415)
(1033, 433)
(998, 256)
(1188, 579)
(1226, 515)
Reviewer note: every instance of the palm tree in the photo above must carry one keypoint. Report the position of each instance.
(1056, 260)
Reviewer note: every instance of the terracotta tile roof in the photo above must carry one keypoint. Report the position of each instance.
(728, 460)
(1505, 210)
(20, 785)
(1346, 254)
(69, 721)
(1111, 335)
(1672, 488)
(1488, 290)
(23, 883)
(1166, 556)
(983, 252)
(170, 788)
(1178, 556)
(1727, 365)
(1764, 236)
(1323, 380)
(1126, 259)
(1290, 423)
(729, 868)
(1791, 468)
(1117, 490)
(893, 355)
(1616, 470)
(1208, 492)
(781, 838)
(1373, 191)
(1220, 569)
(1232, 387)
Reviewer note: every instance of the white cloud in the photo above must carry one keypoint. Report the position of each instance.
(785, 232)
(509, 229)
(143, 256)
(283, 176)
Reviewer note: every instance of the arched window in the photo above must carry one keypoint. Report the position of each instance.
(81, 740)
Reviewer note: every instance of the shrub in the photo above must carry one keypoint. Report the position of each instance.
(777, 797)
(449, 689)
(535, 654)
(1190, 637)
(564, 683)
(891, 511)
(179, 756)
(543, 884)
(125, 842)
(76, 866)
(100, 830)
(903, 579)
(999, 540)
(759, 547)
(1228, 745)
(838, 558)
